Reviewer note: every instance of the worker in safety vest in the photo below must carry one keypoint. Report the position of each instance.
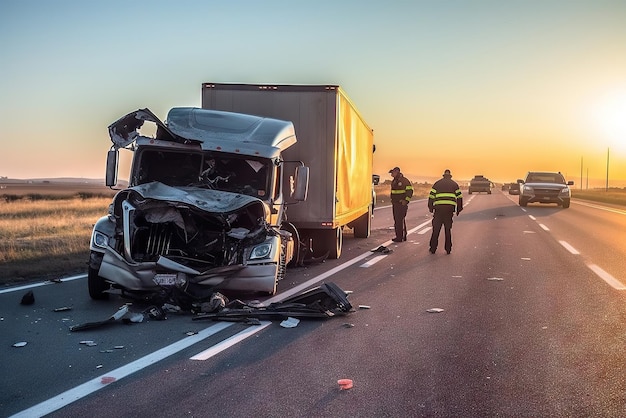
(401, 192)
(444, 199)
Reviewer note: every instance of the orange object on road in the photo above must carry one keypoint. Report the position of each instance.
(344, 384)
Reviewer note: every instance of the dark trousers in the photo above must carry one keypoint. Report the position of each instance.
(399, 222)
(443, 216)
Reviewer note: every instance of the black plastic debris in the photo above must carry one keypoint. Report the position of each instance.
(382, 249)
(28, 298)
(123, 315)
(325, 301)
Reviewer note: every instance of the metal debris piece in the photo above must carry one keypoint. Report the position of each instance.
(119, 347)
(365, 307)
(99, 366)
(290, 323)
(63, 309)
(190, 333)
(121, 312)
(495, 279)
(86, 342)
(435, 310)
(20, 344)
(526, 258)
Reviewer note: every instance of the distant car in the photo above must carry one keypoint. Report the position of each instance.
(514, 188)
(545, 187)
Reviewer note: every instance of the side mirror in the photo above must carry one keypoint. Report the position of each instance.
(520, 181)
(570, 183)
(111, 170)
(301, 183)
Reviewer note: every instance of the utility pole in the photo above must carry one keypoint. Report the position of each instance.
(581, 173)
(607, 170)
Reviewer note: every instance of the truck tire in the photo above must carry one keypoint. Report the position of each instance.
(523, 202)
(565, 203)
(96, 284)
(334, 242)
(363, 225)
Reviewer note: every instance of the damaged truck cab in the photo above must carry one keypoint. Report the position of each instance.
(205, 208)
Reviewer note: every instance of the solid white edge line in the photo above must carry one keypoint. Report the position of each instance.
(612, 281)
(229, 342)
(605, 208)
(532, 217)
(569, 248)
(96, 384)
(46, 283)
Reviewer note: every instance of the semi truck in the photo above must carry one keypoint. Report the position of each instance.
(480, 184)
(334, 141)
(210, 197)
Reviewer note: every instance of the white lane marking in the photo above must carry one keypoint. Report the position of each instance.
(612, 281)
(545, 228)
(569, 248)
(229, 342)
(605, 208)
(425, 230)
(532, 217)
(46, 283)
(373, 261)
(93, 385)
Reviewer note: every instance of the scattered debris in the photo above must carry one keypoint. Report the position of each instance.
(190, 333)
(63, 309)
(28, 298)
(89, 343)
(345, 384)
(365, 307)
(495, 279)
(290, 323)
(99, 366)
(324, 301)
(20, 344)
(348, 325)
(526, 258)
(435, 310)
(120, 314)
(382, 249)
(107, 379)
(57, 280)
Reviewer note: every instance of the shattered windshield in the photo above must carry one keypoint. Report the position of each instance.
(219, 171)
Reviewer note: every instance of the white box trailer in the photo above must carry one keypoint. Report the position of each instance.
(333, 141)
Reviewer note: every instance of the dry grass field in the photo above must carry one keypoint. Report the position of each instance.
(45, 228)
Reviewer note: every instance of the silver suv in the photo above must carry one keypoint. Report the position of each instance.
(545, 187)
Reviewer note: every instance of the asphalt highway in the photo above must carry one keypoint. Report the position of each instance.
(526, 317)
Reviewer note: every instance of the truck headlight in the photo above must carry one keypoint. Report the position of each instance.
(527, 189)
(565, 191)
(261, 251)
(100, 240)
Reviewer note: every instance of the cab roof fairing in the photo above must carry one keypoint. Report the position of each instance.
(232, 132)
(212, 130)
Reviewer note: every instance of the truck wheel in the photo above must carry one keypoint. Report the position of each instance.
(96, 284)
(363, 225)
(523, 202)
(334, 242)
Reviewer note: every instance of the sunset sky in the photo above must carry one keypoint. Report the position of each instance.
(488, 87)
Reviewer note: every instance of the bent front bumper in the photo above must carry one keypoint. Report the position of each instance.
(144, 276)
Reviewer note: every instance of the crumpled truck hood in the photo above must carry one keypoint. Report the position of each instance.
(208, 200)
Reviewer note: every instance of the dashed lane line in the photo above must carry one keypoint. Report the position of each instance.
(612, 281)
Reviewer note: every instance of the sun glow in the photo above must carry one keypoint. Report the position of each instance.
(610, 117)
